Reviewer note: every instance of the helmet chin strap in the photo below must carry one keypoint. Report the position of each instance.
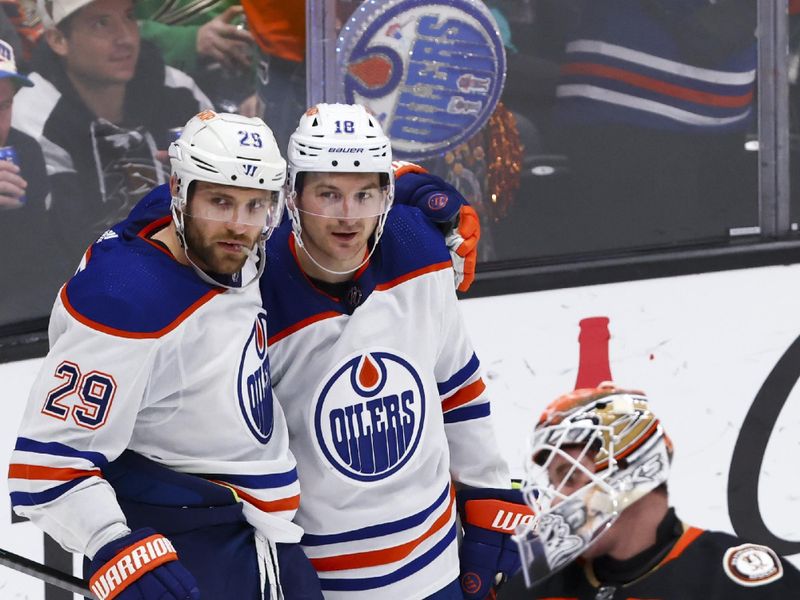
(298, 238)
(297, 230)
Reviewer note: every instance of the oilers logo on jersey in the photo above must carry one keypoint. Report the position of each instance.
(254, 383)
(369, 414)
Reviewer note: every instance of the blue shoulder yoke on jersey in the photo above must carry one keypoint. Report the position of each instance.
(130, 287)
(410, 246)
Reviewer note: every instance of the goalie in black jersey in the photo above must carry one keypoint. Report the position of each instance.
(604, 529)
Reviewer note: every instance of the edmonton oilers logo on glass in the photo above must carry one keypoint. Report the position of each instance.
(254, 383)
(369, 415)
(431, 71)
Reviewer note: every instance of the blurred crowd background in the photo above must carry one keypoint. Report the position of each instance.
(624, 126)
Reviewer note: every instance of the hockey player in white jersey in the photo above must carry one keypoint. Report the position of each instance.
(151, 443)
(387, 412)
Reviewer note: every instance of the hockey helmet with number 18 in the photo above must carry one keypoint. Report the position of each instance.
(594, 453)
(339, 138)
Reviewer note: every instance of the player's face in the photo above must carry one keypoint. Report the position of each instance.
(565, 476)
(219, 246)
(339, 213)
(562, 470)
(101, 46)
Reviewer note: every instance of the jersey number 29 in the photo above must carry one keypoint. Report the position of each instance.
(94, 391)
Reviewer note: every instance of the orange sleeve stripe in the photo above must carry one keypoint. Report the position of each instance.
(654, 85)
(360, 560)
(291, 503)
(18, 471)
(382, 287)
(689, 536)
(466, 394)
(135, 334)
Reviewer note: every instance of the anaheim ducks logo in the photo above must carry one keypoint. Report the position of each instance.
(254, 385)
(431, 71)
(369, 415)
(752, 565)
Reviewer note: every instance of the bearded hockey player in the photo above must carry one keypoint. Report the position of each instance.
(151, 443)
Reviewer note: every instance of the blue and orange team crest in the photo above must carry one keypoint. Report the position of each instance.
(431, 71)
(254, 383)
(368, 415)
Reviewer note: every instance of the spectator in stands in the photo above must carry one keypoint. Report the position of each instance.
(24, 20)
(279, 29)
(208, 39)
(24, 193)
(104, 104)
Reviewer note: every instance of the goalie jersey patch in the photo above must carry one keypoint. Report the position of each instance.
(254, 382)
(368, 415)
(752, 565)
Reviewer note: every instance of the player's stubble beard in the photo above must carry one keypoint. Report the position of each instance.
(205, 252)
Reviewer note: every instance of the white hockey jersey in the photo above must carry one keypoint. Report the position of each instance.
(146, 356)
(385, 407)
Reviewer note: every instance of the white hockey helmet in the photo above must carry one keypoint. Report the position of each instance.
(231, 150)
(339, 138)
(606, 438)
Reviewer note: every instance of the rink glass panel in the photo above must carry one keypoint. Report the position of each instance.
(552, 181)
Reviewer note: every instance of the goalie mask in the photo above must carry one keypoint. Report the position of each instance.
(230, 150)
(340, 138)
(593, 453)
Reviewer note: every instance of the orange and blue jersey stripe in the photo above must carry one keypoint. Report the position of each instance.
(33, 484)
(442, 526)
(462, 395)
(265, 492)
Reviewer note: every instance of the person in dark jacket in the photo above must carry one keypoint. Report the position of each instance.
(103, 109)
(26, 267)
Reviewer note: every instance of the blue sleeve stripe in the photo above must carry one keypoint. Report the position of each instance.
(377, 530)
(468, 413)
(32, 499)
(57, 449)
(369, 583)
(257, 482)
(462, 375)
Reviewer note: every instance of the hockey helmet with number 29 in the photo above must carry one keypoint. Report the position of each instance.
(232, 150)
